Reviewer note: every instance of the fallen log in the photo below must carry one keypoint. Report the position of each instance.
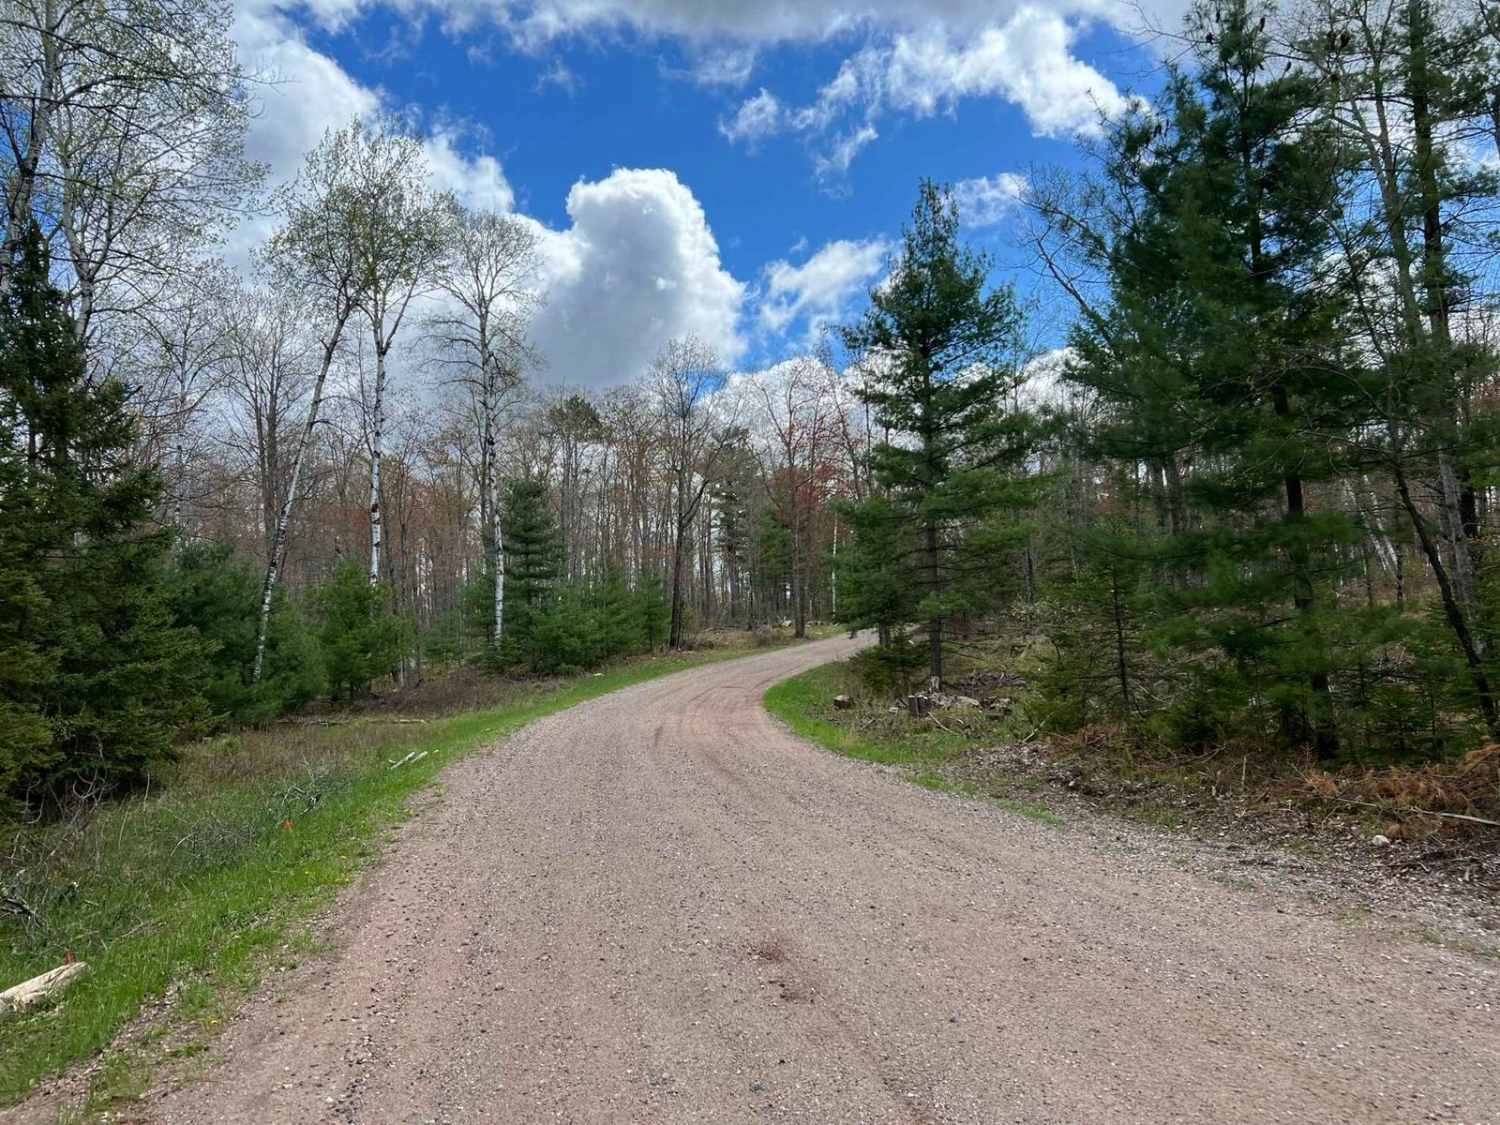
(28, 994)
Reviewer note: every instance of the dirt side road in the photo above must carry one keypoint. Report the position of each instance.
(660, 907)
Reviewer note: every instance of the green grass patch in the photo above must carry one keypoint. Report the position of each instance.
(923, 751)
(199, 886)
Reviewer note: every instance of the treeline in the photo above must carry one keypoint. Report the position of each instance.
(224, 494)
(1255, 502)
(1250, 500)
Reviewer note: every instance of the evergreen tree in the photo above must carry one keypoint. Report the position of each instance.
(359, 638)
(218, 595)
(97, 679)
(940, 346)
(533, 558)
(1223, 348)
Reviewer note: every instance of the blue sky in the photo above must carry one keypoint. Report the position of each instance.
(731, 170)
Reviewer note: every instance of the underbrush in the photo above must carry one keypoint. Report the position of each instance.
(931, 751)
(1250, 789)
(193, 884)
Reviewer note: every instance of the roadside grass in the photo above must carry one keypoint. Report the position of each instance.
(194, 888)
(924, 752)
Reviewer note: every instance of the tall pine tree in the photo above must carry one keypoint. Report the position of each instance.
(1220, 362)
(940, 346)
(97, 681)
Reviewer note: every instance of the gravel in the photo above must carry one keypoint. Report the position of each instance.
(661, 907)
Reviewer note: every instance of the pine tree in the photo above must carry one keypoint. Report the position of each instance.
(217, 595)
(533, 559)
(940, 347)
(1223, 349)
(359, 638)
(97, 679)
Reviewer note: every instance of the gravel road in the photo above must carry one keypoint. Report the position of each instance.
(661, 907)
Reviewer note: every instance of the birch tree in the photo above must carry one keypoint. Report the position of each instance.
(316, 254)
(123, 126)
(488, 277)
(395, 225)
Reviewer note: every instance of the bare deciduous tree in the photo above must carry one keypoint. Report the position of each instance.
(697, 431)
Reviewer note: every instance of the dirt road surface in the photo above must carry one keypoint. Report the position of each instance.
(661, 907)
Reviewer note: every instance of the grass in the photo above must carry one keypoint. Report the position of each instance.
(197, 889)
(924, 752)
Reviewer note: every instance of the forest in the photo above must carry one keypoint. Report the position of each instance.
(1244, 497)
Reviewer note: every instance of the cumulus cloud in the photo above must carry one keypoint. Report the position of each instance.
(985, 201)
(639, 264)
(474, 178)
(821, 289)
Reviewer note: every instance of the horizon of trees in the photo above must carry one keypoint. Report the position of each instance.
(1249, 500)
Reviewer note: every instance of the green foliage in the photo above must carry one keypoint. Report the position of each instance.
(533, 560)
(1098, 667)
(218, 596)
(360, 639)
(1224, 347)
(892, 669)
(583, 627)
(98, 681)
(940, 349)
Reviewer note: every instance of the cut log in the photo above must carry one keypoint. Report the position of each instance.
(28, 994)
(842, 702)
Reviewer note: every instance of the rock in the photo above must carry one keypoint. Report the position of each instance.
(842, 702)
(1380, 841)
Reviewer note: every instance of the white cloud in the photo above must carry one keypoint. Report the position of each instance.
(1027, 61)
(757, 118)
(922, 58)
(835, 161)
(308, 94)
(985, 201)
(534, 22)
(729, 66)
(477, 180)
(822, 288)
(638, 265)
(559, 74)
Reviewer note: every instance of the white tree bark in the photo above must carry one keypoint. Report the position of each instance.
(377, 450)
(284, 517)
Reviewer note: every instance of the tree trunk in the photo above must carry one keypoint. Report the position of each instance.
(674, 639)
(935, 624)
(1121, 665)
(377, 441)
(284, 518)
(1451, 607)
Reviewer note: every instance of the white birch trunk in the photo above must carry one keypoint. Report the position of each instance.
(377, 442)
(284, 517)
